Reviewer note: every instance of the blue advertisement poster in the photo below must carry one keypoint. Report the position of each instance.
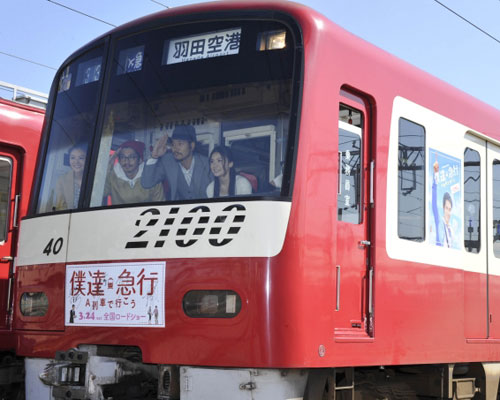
(445, 217)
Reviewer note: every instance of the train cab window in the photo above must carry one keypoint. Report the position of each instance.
(472, 201)
(349, 165)
(5, 184)
(195, 112)
(411, 181)
(71, 130)
(496, 208)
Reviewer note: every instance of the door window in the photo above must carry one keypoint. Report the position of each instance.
(472, 201)
(496, 208)
(349, 165)
(5, 184)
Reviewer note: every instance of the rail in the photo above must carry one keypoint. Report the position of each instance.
(23, 95)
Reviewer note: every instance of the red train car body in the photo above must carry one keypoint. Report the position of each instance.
(371, 239)
(20, 131)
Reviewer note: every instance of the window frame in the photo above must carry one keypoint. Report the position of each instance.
(5, 238)
(109, 43)
(495, 162)
(467, 228)
(422, 238)
(360, 187)
(49, 121)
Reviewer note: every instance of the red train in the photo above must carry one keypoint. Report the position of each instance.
(240, 200)
(20, 131)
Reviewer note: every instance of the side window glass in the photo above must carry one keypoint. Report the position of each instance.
(472, 201)
(496, 208)
(5, 184)
(72, 126)
(411, 181)
(349, 165)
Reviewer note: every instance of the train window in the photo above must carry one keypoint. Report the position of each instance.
(496, 208)
(5, 184)
(195, 112)
(411, 181)
(71, 130)
(349, 165)
(472, 201)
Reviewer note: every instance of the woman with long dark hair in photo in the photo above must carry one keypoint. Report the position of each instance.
(226, 182)
(67, 191)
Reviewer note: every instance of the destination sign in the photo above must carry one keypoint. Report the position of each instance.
(199, 47)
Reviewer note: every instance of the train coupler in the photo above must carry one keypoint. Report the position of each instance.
(83, 374)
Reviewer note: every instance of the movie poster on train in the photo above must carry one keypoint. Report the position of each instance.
(115, 294)
(445, 200)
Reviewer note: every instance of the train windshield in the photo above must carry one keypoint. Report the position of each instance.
(72, 127)
(193, 112)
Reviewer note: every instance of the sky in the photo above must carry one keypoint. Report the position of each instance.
(421, 32)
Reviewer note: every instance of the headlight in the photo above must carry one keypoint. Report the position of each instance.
(271, 40)
(34, 304)
(211, 304)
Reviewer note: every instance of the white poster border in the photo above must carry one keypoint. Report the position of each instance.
(132, 292)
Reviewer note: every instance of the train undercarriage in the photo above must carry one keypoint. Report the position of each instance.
(109, 372)
(11, 377)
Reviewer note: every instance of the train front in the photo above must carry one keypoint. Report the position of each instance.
(160, 213)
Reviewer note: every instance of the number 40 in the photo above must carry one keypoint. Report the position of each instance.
(54, 246)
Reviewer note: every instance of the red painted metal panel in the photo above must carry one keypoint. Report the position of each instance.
(20, 130)
(475, 305)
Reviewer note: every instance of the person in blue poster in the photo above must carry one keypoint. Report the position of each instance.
(445, 179)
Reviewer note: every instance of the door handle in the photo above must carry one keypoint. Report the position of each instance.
(6, 259)
(16, 210)
(337, 306)
(372, 168)
(364, 243)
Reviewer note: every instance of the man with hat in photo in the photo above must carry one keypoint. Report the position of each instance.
(187, 172)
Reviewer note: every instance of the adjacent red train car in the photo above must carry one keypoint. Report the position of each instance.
(240, 200)
(20, 131)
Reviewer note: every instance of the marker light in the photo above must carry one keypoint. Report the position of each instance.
(271, 40)
(211, 304)
(34, 304)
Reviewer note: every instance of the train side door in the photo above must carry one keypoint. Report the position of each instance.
(493, 238)
(9, 201)
(352, 275)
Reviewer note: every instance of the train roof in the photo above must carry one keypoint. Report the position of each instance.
(22, 106)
